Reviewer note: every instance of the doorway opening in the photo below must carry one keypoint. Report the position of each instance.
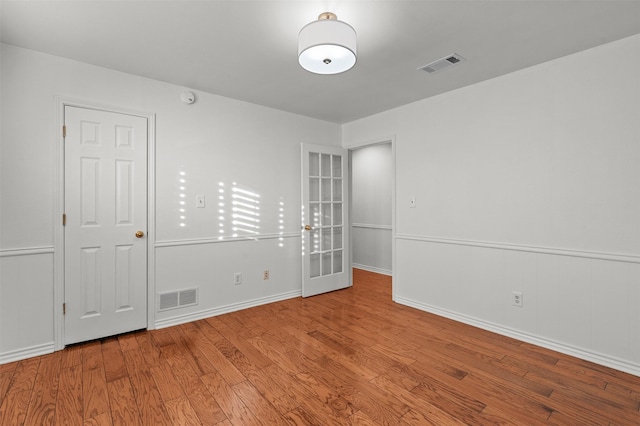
(372, 215)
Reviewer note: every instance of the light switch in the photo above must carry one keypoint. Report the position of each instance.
(412, 203)
(200, 201)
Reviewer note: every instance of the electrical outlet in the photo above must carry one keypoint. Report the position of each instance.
(200, 201)
(516, 299)
(265, 274)
(237, 278)
(412, 202)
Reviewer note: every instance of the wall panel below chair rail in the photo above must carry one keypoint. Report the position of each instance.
(372, 247)
(581, 303)
(211, 266)
(26, 303)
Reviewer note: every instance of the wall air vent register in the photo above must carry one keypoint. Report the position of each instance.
(177, 299)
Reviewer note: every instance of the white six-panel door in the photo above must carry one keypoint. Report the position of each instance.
(106, 223)
(325, 213)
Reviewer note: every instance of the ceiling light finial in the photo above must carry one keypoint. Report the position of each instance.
(327, 46)
(327, 15)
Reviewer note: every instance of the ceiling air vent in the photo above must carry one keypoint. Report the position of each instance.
(443, 63)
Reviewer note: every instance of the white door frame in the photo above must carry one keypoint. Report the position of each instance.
(58, 229)
(352, 146)
(335, 280)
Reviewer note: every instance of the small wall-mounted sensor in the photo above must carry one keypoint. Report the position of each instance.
(188, 97)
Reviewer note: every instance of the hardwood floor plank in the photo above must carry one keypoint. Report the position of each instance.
(135, 361)
(148, 348)
(262, 409)
(200, 363)
(124, 410)
(287, 382)
(627, 389)
(268, 386)
(5, 381)
(92, 355)
(236, 357)
(204, 404)
(24, 375)
(358, 394)
(15, 404)
(72, 355)
(345, 360)
(114, 363)
(162, 337)
(254, 357)
(300, 417)
(14, 408)
(361, 419)
(335, 402)
(274, 355)
(42, 405)
(279, 338)
(128, 341)
(103, 419)
(582, 392)
(168, 386)
(9, 367)
(415, 418)
(94, 393)
(349, 357)
(611, 411)
(481, 363)
(321, 409)
(204, 338)
(152, 410)
(493, 416)
(201, 400)
(235, 410)
(181, 413)
(69, 399)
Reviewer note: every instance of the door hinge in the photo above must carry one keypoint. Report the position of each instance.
(64, 309)
(64, 131)
(64, 219)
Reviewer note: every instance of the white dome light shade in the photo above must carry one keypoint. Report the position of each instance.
(327, 46)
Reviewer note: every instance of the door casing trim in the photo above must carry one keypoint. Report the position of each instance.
(58, 229)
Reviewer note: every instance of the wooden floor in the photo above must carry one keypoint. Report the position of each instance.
(347, 357)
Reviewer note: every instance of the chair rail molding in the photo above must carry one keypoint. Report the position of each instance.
(616, 257)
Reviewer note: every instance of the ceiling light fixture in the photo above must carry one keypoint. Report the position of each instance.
(327, 46)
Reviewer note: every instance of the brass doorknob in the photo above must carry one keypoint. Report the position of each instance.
(139, 234)
(308, 228)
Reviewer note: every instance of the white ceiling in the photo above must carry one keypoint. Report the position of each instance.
(247, 50)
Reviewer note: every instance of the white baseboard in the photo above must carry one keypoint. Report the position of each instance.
(581, 353)
(372, 269)
(194, 316)
(20, 354)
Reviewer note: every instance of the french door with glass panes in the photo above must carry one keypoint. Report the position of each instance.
(325, 230)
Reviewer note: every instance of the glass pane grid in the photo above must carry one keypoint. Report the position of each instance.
(325, 208)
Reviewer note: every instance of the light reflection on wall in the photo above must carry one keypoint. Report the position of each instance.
(221, 210)
(245, 211)
(281, 224)
(182, 195)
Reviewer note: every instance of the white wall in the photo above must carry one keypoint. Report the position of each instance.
(527, 182)
(371, 181)
(216, 140)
